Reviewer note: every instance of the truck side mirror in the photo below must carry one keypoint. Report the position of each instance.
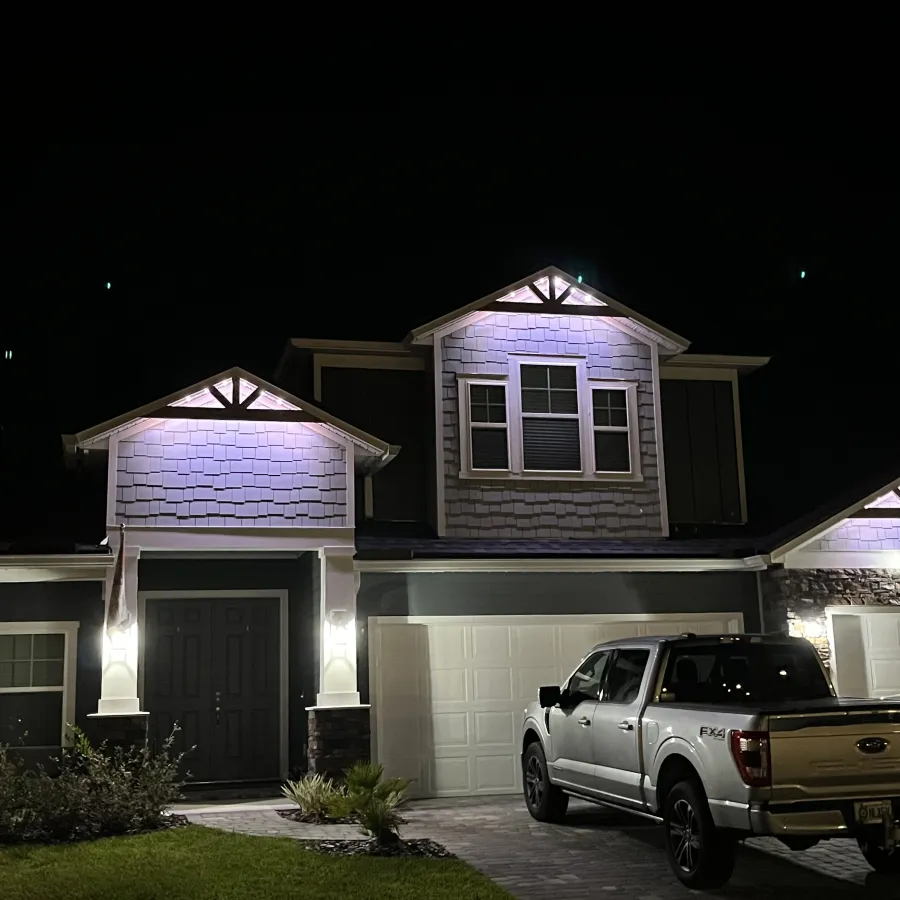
(549, 696)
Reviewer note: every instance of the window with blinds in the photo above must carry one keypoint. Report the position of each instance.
(551, 434)
(488, 427)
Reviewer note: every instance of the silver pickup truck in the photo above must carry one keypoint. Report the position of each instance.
(719, 738)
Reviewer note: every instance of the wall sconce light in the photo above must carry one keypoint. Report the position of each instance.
(340, 632)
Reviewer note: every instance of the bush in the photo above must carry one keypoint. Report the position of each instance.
(374, 801)
(97, 792)
(317, 797)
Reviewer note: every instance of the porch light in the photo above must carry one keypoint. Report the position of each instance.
(339, 632)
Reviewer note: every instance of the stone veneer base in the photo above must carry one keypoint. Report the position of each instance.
(339, 736)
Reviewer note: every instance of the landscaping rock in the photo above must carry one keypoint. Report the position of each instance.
(421, 849)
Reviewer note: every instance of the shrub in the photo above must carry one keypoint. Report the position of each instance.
(317, 797)
(374, 801)
(97, 792)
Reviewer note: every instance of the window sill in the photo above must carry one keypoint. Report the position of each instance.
(574, 477)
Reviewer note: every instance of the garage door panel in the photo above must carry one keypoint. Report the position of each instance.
(883, 633)
(493, 684)
(448, 701)
(450, 729)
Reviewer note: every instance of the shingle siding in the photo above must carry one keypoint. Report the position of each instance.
(861, 534)
(235, 474)
(528, 509)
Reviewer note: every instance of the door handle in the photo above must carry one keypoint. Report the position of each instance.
(626, 726)
(584, 721)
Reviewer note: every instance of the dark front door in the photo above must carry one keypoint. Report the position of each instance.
(212, 667)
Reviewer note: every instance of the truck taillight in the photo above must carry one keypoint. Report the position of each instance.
(750, 750)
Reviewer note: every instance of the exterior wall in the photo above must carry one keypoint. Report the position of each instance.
(520, 593)
(293, 575)
(222, 473)
(72, 601)
(794, 600)
(512, 508)
(861, 534)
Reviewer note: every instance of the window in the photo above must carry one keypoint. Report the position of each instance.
(588, 680)
(626, 675)
(488, 431)
(551, 434)
(36, 685)
(743, 673)
(612, 441)
(548, 421)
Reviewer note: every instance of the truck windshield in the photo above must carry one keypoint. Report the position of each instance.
(743, 672)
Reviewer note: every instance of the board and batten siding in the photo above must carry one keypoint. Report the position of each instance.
(511, 508)
(224, 473)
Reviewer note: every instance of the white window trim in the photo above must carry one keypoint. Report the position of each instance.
(513, 384)
(70, 631)
(633, 428)
(464, 382)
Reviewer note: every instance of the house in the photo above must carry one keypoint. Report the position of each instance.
(833, 577)
(387, 551)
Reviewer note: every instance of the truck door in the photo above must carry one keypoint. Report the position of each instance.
(571, 725)
(615, 727)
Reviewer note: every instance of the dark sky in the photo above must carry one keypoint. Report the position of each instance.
(224, 233)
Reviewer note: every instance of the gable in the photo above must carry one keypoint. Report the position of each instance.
(239, 397)
(552, 292)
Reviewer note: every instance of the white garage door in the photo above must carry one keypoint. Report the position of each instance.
(866, 652)
(448, 694)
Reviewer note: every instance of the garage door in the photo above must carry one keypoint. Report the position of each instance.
(448, 693)
(866, 652)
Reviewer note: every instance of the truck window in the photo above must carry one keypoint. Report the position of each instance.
(743, 672)
(588, 680)
(626, 675)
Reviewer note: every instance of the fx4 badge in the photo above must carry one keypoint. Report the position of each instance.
(717, 734)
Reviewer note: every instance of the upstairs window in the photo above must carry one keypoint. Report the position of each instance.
(612, 440)
(488, 431)
(551, 436)
(548, 420)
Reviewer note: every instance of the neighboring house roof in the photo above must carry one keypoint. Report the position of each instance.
(831, 514)
(557, 292)
(246, 394)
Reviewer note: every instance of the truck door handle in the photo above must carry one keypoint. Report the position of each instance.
(584, 721)
(626, 726)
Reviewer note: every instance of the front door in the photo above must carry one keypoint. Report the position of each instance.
(212, 667)
(616, 727)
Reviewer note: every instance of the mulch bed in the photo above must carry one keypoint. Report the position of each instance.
(295, 815)
(421, 849)
(174, 821)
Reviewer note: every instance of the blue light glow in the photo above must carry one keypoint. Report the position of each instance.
(803, 273)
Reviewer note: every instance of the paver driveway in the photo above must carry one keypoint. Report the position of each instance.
(595, 853)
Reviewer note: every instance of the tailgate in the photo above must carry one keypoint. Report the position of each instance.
(848, 753)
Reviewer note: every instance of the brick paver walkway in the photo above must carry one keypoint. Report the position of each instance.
(595, 853)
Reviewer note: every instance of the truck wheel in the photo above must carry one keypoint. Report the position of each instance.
(545, 802)
(700, 856)
(885, 862)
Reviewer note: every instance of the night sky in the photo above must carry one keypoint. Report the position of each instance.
(225, 233)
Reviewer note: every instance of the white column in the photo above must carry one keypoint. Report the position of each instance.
(119, 679)
(338, 583)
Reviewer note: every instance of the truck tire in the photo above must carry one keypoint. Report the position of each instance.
(700, 855)
(885, 862)
(545, 801)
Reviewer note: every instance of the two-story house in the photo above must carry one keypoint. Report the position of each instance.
(389, 549)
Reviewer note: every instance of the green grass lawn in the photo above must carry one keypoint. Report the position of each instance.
(197, 863)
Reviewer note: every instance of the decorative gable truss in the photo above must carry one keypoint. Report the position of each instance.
(233, 451)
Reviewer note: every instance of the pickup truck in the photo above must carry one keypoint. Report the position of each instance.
(719, 738)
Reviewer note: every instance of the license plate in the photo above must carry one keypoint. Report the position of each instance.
(874, 811)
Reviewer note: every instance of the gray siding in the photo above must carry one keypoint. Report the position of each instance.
(293, 575)
(519, 508)
(387, 403)
(231, 474)
(523, 594)
(72, 601)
